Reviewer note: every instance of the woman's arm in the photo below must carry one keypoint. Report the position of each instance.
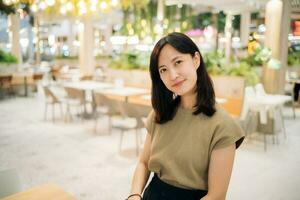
(220, 168)
(141, 173)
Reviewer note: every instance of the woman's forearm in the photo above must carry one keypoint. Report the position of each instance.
(140, 178)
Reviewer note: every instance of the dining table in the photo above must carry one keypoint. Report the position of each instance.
(42, 192)
(145, 99)
(124, 92)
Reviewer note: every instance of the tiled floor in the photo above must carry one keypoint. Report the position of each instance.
(89, 165)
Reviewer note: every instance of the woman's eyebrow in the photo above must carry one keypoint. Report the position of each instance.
(161, 66)
(173, 59)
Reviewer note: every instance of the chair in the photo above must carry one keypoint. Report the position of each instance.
(75, 97)
(5, 85)
(52, 99)
(105, 106)
(10, 182)
(261, 115)
(22, 80)
(136, 112)
(260, 91)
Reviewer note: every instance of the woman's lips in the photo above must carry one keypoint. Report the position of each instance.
(179, 83)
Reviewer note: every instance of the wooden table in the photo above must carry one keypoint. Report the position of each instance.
(44, 192)
(123, 93)
(145, 99)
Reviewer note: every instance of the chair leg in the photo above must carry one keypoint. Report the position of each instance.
(53, 112)
(68, 116)
(109, 125)
(282, 123)
(45, 113)
(293, 107)
(96, 122)
(121, 140)
(61, 111)
(265, 142)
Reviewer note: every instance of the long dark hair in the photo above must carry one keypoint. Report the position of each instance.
(164, 102)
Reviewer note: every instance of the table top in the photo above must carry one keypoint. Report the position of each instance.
(124, 91)
(88, 85)
(44, 192)
(145, 99)
(293, 80)
(269, 100)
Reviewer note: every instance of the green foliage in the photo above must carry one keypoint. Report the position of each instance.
(245, 70)
(7, 58)
(216, 64)
(7, 9)
(62, 56)
(236, 22)
(201, 20)
(293, 57)
(132, 60)
(221, 22)
(260, 56)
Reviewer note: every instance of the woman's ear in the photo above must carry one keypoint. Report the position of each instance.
(196, 59)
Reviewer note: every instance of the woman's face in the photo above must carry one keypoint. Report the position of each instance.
(178, 70)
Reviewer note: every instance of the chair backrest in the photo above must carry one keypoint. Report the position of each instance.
(50, 95)
(231, 88)
(113, 105)
(74, 93)
(259, 90)
(136, 111)
(9, 182)
(249, 92)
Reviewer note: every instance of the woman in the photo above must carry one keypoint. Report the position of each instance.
(191, 141)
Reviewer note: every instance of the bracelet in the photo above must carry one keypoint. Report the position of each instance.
(132, 195)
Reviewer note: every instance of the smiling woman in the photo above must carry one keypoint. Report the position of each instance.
(191, 141)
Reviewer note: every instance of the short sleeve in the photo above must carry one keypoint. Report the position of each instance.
(226, 133)
(150, 123)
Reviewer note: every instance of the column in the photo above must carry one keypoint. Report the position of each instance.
(71, 37)
(86, 36)
(14, 36)
(37, 37)
(107, 35)
(245, 27)
(277, 28)
(228, 34)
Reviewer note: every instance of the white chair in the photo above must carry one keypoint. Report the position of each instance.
(135, 112)
(263, 111)
(75, 98)
(105, 106)
(52, 99)
(9, 182)
(260, 91)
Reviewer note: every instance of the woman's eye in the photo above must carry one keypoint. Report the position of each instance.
(162, 70)
(178, 62)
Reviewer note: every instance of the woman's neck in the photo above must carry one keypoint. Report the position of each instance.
(188, 101)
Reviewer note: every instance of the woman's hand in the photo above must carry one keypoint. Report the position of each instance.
(134, 198)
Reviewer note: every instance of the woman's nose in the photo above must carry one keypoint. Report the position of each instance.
(173, 74)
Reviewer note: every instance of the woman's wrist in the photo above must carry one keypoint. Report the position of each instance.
(134, 195)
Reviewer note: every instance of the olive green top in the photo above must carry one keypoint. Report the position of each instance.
(181, 148)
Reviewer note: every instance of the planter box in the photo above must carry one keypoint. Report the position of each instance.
(75, 62)
(137, 78)
(8, 68)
